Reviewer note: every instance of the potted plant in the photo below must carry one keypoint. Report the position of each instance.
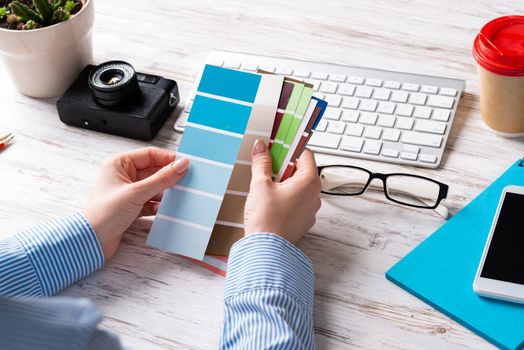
(45, 44)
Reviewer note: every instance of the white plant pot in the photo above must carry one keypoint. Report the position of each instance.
(44, 62)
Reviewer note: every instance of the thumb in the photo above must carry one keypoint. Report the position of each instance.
(260, 162)
(164, 178)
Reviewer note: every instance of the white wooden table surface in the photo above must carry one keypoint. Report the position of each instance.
(156, 300)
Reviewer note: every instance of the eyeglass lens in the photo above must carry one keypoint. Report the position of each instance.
(406, 189)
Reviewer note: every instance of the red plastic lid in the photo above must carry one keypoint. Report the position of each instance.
(499, 46)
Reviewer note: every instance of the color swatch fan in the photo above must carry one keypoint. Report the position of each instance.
(202, 215)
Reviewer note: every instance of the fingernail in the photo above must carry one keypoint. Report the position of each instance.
(258, 147)
(181, 165)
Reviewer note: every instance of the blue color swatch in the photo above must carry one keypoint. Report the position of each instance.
(441, 270)
(210, 145)
(206, 177)
(220, 114)
(211, 141)
(207, 207)
(229, 83)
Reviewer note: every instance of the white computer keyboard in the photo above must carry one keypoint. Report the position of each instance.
(373, 114)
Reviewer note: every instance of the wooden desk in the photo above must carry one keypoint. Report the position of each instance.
(156, 300)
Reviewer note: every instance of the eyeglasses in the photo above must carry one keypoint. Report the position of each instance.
(406, 189)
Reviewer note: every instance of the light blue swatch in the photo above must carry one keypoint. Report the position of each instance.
(187, 203)
(220, 114)
(441, 270)
(229, 83)
(206, 177)
(210, 145)
(182, 239)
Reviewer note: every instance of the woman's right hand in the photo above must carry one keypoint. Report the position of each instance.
(287, 208)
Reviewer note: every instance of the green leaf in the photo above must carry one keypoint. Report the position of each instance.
(44, 9)
(60, 15)
(69, 6)
(56, 4)
(3, 12)
(24, 12)
(29, 25)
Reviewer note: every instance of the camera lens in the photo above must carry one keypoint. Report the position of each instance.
(112, 82)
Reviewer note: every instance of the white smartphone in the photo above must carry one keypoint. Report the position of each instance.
(500, 273)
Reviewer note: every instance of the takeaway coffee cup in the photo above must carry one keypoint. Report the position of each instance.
(499, 51)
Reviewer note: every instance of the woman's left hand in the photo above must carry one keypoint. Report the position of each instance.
(129, 186)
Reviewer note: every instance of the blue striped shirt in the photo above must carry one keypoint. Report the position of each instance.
(268, 292)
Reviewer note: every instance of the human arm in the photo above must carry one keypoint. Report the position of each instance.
(44, 259)
(268, 298)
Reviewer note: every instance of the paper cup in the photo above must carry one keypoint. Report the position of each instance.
(499, 52)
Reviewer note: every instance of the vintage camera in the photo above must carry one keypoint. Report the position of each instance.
(113, 98)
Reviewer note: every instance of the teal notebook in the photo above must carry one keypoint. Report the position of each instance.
(441, 270)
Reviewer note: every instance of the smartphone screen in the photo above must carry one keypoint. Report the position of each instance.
(505, 258)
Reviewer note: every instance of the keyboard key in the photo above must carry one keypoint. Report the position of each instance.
(249, 67)
(333, 100)
(391, 135)
(388, 152)
(356, 80)
(441, 114)
(440, 101)
(302, 73)
(399, 96)
(336, 127)
(350, 116)
(404, 110)
(430, 126)
(372, 147)
(386, 107)
(352, 144)
(268, 68)
(374, 82)
(322, 125)
(428, 158)
(329, 88)
(315, 83)
(422, 112)
(350, 102)
(332, 113)
(404, 123)
(368, 105)
(363, 91)
(386, 120)
(410, 87)
(319, 75)
(346, 89)
(319, 95)
(232, 64)
(421, 138)
(372, 132)
(382, 94)
(368, 118)
(448, 92)
(411, 148)
(408, 155)
(417, 98)
(339, 78)
(216, 62)
(321, 139)
(283, 71)
(392, 84)
(429, 89)
(353, 129)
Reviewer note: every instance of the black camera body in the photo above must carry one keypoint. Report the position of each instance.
(115, 99)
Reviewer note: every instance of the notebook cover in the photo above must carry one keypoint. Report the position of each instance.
(441, 270)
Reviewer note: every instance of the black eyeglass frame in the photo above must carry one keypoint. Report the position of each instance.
(443, 188)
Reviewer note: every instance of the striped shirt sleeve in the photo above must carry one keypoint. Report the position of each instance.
(268, 296)
(49, 257)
